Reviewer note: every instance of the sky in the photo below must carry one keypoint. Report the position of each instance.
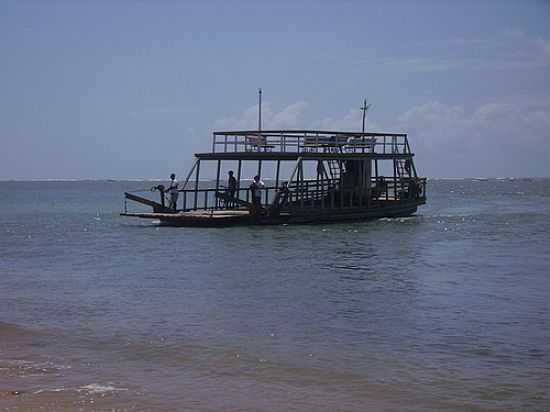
(131, 89)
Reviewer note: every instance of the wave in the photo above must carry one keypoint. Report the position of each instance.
(95, 388)
(10, 329)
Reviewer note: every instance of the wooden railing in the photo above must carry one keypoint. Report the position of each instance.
(309, 141)
(307, 193)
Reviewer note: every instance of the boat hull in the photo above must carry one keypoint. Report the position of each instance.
(220, 218)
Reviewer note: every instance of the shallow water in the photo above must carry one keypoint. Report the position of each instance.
(446, 310)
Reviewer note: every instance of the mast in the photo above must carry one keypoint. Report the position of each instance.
(260, 110)
(365, 108)
(259, 141)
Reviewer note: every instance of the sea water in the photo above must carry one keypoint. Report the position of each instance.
(447, 310)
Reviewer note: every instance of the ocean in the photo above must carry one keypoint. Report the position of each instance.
(447, 310)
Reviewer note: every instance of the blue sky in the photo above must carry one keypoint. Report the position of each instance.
(129, 89)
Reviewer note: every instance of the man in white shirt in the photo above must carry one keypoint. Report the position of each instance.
(256, 188)
(173, 192)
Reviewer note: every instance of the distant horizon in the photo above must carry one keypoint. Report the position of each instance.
(158, 179)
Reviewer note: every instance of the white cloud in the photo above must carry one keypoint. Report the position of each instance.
(502, 121)
(496, 138)
(351, 121)
(292, 117)
(289, 117)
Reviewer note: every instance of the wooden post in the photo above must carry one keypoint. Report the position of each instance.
(368, 180)
(277, 174)
(197, 184)
(162, 198)
(394, 179)
(362, 175)
(411, 160)
(319, 164)
(239, 167)
(341, 183)
(217, 183)
(301, 180)
(190, 174)
(298, 162)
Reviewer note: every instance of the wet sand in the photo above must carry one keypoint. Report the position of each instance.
(35, 376)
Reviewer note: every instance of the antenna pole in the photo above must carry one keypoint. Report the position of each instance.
(260, 110)
(365, 108)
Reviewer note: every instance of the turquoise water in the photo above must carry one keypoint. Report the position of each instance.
(446, 310)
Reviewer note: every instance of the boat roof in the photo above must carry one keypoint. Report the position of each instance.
(277, 155)
(302, 132)
(291, 144)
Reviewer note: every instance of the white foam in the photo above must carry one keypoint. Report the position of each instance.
(50, 390)
(94, 388)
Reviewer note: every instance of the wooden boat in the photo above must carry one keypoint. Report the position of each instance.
(317, 176)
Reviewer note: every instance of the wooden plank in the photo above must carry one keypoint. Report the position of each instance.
(197, 184)
(300, 133)
(296, 155)
(155, 205)
(189, 174)
(218, 180)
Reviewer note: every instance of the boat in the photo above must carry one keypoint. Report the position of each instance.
(317, 176)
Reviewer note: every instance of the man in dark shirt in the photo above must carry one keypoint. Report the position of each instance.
(231, 184)
(231, 188)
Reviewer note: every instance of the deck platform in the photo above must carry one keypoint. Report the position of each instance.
(197, 217)
(224, 218)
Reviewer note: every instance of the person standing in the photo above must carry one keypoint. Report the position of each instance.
(173, 193)
(231, 189)
(256, 188)
(231, 184)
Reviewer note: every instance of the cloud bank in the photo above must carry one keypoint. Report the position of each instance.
(289, 117)
(497, 138)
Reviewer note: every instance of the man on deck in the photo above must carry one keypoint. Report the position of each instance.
(231, 188)
(231, 184)
(173, 192)
(256, 189)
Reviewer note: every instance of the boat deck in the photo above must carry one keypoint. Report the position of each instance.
(197, 217)
(192, 214)
(220, 218)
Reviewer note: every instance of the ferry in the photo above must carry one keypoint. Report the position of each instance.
(315, 176)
